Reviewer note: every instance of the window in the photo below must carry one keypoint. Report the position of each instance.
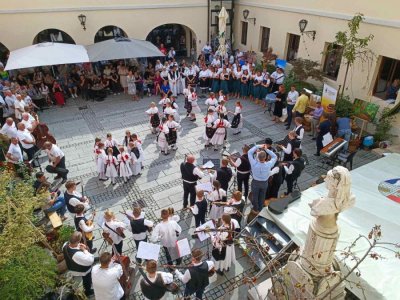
(389, 71)
(244, 33)
(293, 47)
(332, 60)
(264, 38)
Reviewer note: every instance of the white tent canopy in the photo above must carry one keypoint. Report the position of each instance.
(46, 54)
(379, 278)
(122, 48)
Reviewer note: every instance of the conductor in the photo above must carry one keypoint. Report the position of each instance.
(190, 175)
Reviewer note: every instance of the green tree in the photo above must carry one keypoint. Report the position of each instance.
(355, 48)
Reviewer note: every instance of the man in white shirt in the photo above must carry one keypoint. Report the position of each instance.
(9, 129)
(291, 101)
(27, 141)
(153, 284)
(72, 197)
(27, 121)
(105, 278)
(9, 100)
(79, 261)
(14, 153)
(195, 277)
(190, 175)
(57, 160)
(19, 106)
(166, 232)
(3, 108)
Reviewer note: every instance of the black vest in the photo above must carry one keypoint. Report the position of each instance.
(198, 277)
(71, 264)
(224, 175)
(77, 220)
(154, 291)
(67, 198)
(295, 144)
(298, 165)
(298, 131)
(244, 163)
(202, 206)
(138, 226)
(187, 172)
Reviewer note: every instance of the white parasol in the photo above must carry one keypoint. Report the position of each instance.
(223, 17)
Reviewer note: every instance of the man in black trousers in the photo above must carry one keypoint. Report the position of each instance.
(190, 175)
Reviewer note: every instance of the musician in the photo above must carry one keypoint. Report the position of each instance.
(9, 129)
(114, 230)
(190, 175)
(293, 169)
(139, 227)
(105, 277)
(260, 169)
(196, 276)
(224, 174)
(274, 181)
(291, 145)
(57, 159)
(243, 168)
(153, 285)
(72, 197)
(79, 261)
(217, 195)
(80, 225)
(27, 141)
(166, 232)
(299, 129)
(323, 128)
(237, 203)
(223, 248)
(199, 209)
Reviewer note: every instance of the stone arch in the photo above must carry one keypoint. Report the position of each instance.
(109, 32)
(53, 35)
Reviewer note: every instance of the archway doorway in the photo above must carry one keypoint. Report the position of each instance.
(4, 53)
(53, 35)
(109, 32)
(178, 36)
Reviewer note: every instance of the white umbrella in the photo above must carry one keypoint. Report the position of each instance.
(122, 48)
(46, 54)
(223, 16)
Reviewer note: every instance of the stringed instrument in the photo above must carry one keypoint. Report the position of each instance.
(89, 235)
(42, 134)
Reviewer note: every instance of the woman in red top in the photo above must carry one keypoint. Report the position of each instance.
(58, 93)
(157, 83)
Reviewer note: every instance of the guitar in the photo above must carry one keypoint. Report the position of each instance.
(89, 235)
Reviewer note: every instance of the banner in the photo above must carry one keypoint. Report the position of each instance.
(329, 95)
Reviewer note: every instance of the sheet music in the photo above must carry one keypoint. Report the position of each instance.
(326, 139)
(205, 235)
(208, 165)
(204, 187)
(183, 247)
(148, 251)
(100, 220)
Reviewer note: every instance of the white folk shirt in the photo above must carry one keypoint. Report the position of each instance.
(152, 111)
(186, 276)
(172, 124)
(83, 258)
(164, 101)
(54, 152)
(221, 109)
(75, 200)
(166, 232)
(292, 97)
(110, 143)
(114, 225)
(10, 131)
(212, 103)
(204, 74)
(15, 151)
(105, 282)
(25, 136)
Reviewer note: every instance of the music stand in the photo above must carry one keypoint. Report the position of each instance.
(215, 161)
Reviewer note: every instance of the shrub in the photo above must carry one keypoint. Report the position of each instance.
(344, 107)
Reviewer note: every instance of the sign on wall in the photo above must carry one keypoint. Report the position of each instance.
(365, 110)
(329, 95)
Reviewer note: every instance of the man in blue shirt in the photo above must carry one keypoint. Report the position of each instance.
(260, 170)
(344, 130)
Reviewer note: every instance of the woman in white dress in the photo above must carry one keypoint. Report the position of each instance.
(162, 136)
(212, 103)
(209, 132)
(237, 121)
(172, 131)
(134, 162)
(124, 160)
(130, 79)
(219, 136)
(217, 195)
(100, 157)
(154, 117)
(224, 249)
(138, 145)
(111, 164)
(195, 106)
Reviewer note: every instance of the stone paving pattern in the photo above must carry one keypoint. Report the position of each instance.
(77, 124)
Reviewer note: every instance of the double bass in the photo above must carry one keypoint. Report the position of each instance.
(42, 134)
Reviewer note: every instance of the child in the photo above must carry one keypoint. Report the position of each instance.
(218, 195)
(164, 100)
(220, 134)
(135, 155)
(172, 131)
(100, 157)
(237, 121)
(195, 106)
(124, 164)
(209, 132)
(154, 118)
(188, 105)
(111, 143)
(162, 136)
(222, 97)
(95, 148)
(111, 165)
(212, 104)
(199, 209)
(138, 145)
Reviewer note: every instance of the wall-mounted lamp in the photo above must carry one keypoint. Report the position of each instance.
(82, 19)
(246, 13)
(302, 25)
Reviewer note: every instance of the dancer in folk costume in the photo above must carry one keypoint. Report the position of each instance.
(187, 105)
(154, 117)
(162, 138)
(223, 248)
(169, 111)
(97, 141)
(130, 79)
(100, 157)
(222, 97)
(210, 130)
(127, 138)
(111, 166)
(135, 159)
(221, 109)
(164, 100)
(212, 103)
(173, 131)
(173, 78)
(217, 195)
(138, 144)
(237, 121)
(124, 160)
(219, 136)
(175, 106)
(111, 143)
(195, 106)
